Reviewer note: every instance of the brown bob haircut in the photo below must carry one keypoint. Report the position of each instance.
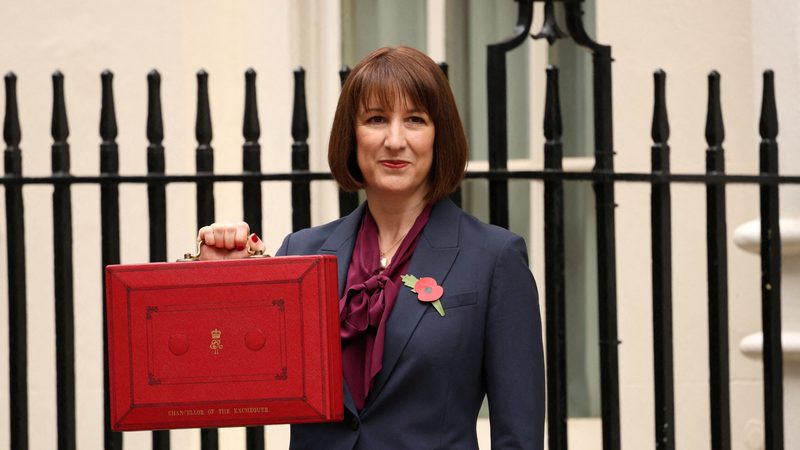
(386, 75)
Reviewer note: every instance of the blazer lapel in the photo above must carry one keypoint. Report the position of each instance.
(341, 243)
(436, 250)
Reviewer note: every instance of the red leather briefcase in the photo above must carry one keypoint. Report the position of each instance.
(224, 343)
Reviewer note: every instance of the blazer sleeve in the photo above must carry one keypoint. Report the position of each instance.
(513, 358)
(283, 250)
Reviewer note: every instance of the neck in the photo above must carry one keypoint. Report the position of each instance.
(394, 216)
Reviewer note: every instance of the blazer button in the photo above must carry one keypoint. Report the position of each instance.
(354, 423)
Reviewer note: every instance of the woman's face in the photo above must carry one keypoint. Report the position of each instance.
(395, 148)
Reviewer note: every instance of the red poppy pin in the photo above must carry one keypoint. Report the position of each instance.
(427, 290)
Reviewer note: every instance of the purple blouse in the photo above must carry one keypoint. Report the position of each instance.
(367, 302)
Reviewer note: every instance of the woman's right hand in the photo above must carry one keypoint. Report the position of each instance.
(228, 241)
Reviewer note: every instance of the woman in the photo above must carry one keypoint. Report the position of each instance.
(416, 371)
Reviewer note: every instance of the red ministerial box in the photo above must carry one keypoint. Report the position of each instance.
(224, 343)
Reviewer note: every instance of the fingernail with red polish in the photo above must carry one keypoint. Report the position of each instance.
(239, 247)
(254, 237)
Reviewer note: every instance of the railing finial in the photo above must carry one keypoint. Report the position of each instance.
(202, 128)
(552, 106)
(660, 128)
(344, 72)
(251, 128)
(445, 68)
(108, 116)
(715, 129)
(299, 113)
(12, 133)
(59, 128)
(768, 124)
(155, 124)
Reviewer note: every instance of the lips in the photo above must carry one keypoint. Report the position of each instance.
(394, 164)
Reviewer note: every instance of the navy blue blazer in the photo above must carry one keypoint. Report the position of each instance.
(437, 369)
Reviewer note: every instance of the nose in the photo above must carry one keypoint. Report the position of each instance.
(395, 136)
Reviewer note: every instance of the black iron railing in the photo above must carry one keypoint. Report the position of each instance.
(661, 248)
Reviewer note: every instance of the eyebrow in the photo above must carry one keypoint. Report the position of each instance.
(381, 109)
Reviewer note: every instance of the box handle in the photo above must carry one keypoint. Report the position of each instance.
(187, 257)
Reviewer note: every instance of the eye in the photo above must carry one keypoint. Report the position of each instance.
(375, 119)
(419, 120)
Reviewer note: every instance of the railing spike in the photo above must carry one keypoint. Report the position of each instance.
(109, 226)
(552, 106)
(660, 129)
(251, 128)
(59, 128)
(770, 250)
(12, 133)
(661, 251)
(155, 125)
(251, 191)
(717, 269)
(63, 274)
(343, 74)
(715, 129)
(59, 156)
(17, 307)
(299, 114)
(202, 128)
(768, 125)
(204, 163)
(156, 196)
(301, 194)
(445, 69)
(554, 302)
(108, 115)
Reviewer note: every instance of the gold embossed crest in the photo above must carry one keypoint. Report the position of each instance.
(216, 341)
